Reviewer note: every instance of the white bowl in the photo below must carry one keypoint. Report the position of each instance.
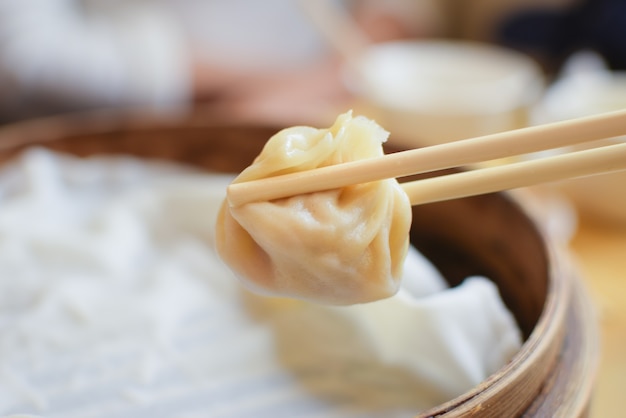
(601, 197)
(433, 91)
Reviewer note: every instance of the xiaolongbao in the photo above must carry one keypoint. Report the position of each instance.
(341, 246)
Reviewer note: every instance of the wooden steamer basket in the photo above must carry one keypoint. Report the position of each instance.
(491, 235)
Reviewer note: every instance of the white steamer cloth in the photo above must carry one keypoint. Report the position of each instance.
(114, 304)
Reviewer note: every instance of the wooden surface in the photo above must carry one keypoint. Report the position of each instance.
(601, 254)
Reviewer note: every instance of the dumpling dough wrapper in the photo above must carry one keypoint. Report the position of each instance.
(342, 246)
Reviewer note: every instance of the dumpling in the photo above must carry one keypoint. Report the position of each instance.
(338, 247)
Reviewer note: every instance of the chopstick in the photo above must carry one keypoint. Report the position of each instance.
(455, 154)
(486, 180)
(339, 29)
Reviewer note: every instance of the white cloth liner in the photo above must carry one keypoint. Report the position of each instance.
(113, 304)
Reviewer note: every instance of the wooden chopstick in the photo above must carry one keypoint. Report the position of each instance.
(486, 180)
(338, 28)
(432, 158)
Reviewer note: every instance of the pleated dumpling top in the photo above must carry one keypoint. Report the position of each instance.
(339, 247)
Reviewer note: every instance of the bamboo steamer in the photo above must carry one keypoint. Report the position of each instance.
(491, 235)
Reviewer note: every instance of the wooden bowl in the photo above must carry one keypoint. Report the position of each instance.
(490, 235)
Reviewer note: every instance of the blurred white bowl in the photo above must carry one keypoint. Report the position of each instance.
(433, 91)
(586, 89)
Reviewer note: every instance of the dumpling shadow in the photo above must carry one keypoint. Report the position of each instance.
(331, 359)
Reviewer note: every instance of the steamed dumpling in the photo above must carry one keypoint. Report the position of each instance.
(341, 246)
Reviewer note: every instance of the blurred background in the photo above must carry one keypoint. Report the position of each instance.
(429, 71)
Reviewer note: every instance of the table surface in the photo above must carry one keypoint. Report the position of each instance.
(600, 251)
